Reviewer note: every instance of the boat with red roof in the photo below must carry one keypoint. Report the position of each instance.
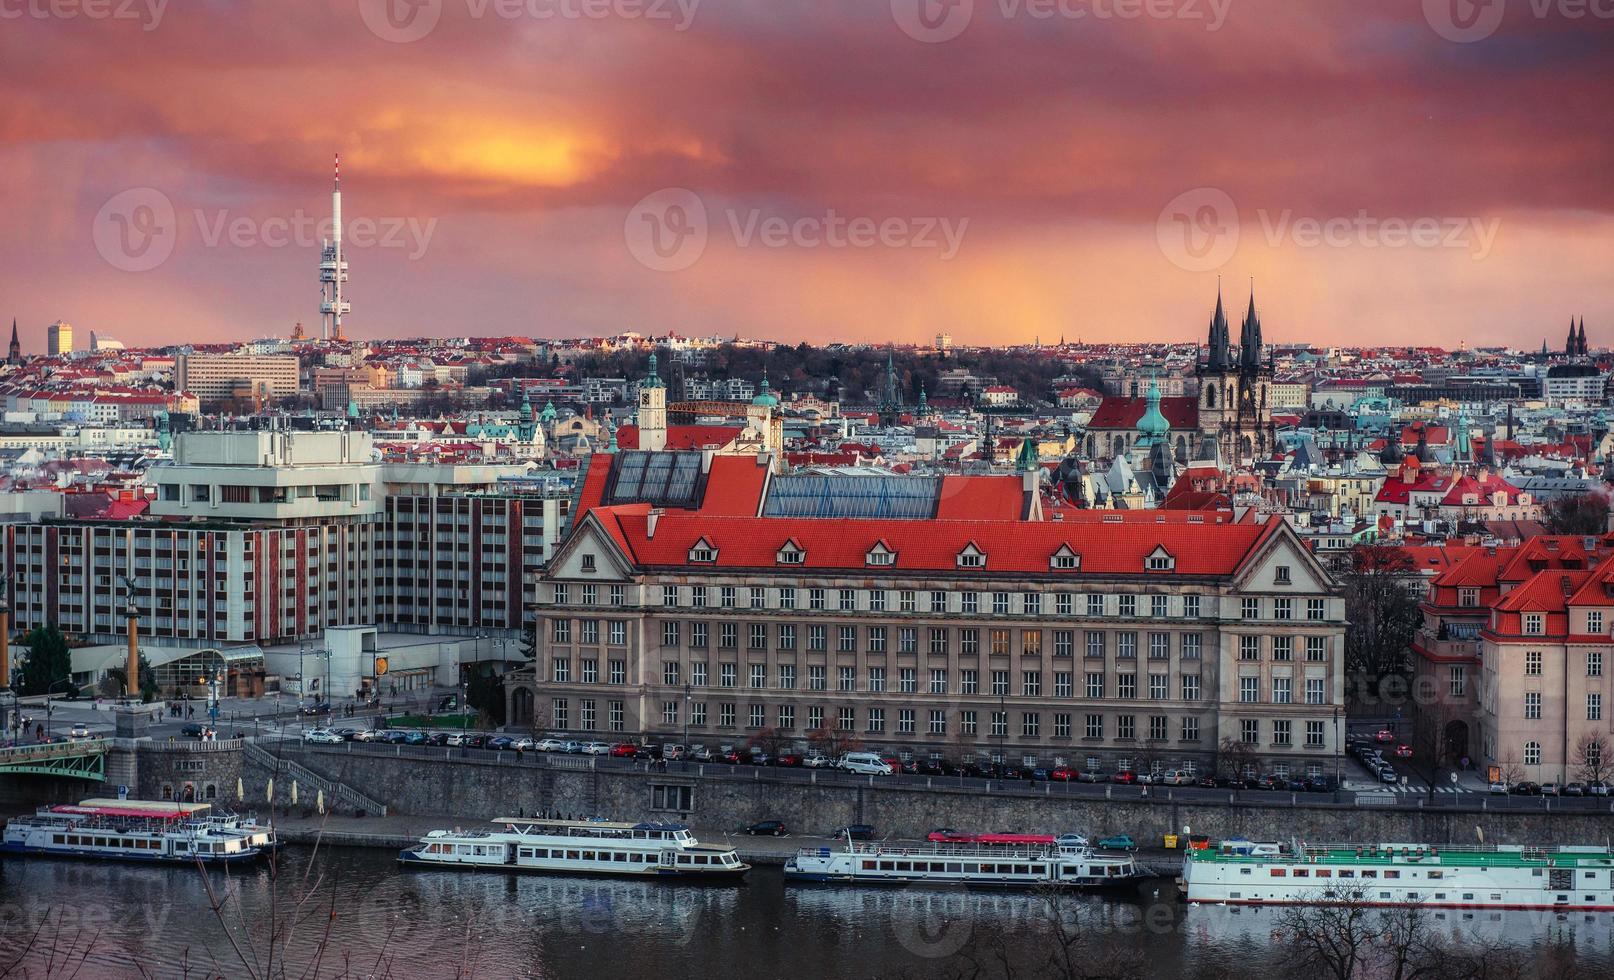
(134, 830)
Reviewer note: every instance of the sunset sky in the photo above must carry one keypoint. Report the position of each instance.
(1395, 171)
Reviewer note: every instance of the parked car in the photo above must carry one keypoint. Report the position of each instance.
(757, 757)
(1403, 751)
(368, 735)
(1549, 789)
(1525, 788)
(393, 736)
(596, 748)
(624, 750)
(1320, 784)
(551, 745)
(729, 757)
(79, 731)
(865, 763)
(321, 736)
(932, 767)
(1574, 789)
(475, 740)
(1062, 774)
(572, 747)
(771, 828)
(815, 762)
(192, 729)
(1039, 775)
(789, 759)
(1384, 735)
(523, 744)
(454, 740)
(1271, 783)
(436, 738)
(414, 738)
(1127, 778)
(1498, 787)
(1389, 775)
(346, 733)
(856, 831)
(1118, 842)
(499, 743)
(1176, 777)
(1598, 788)
(947, 835)
(1071, 840)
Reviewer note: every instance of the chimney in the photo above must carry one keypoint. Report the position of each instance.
(1566, 583)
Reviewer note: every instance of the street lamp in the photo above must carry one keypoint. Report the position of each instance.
(48, 706)
(683, 753)
(1337, 753)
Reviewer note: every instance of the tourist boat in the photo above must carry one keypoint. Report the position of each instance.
(590, 847)
(1064, 864)
(1437, 876)
(261, 836)
(128, 830)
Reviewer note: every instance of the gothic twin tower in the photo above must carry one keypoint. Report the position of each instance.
(1235, 390)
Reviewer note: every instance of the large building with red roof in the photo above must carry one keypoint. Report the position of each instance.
(1513, 660)
(932, 615)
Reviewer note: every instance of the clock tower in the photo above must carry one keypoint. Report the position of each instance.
(652, 410)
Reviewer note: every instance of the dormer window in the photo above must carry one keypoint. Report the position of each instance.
(880, 556)
(1160, 560)
(791, 554)
(702, 553)
(1065, 559)
(971, 557)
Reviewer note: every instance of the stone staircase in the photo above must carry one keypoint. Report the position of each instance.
(337, 794)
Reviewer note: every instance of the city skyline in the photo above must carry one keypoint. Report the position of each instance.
(1018, 181)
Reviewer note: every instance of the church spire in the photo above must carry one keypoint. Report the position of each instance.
(1250, 337)
(1218, 340)
(14, 352)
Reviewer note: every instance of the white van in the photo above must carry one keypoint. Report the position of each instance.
(865, 763)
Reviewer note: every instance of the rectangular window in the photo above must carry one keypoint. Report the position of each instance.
(1283, 648)
(1000, 603)
(1095, 726)
(846, 719)
(1030, 724)
(815, 717)
(614, 716)
(759, 597)
(1159, 646)
(1314, 735)
(563, 631)
(787, 598)
(1159, 606)
(725, 596)
(1249, 648)
(905, 721)
(1064, 643)
(1128, 605)
(969, 603)
(1249, 690)
(877, 600)
(727, 674)
(1456, 680)
(697, 674)
(728, 636)
(1158, 731)
(967, 723)
(1280, 689)
(1250, 731)
(1250, 608)
(1190, 606)
(969, 681)
(846, 639)
(938, 602)
(1280, 733)
(969, 641)
(1532, 705)
(846, 679)
(1126, 646)
(1000, 642)
(1190, 646)
(725, 715)
(787, 717)
(1535, 624)
(876, 723)
(759, 676)
(1095, 684)
(759, 636)
(1095, 644)
(591, 671)
(1190, 729)
(1000, 683)
(618, 633)
(907, 639)
(560, 711)
(1031, 603)
(1126, 726)
(1061, 724)
(787, 636)
(1190, 687)
(1062, 684)
(906, 601)
(1283, 608)
(1532, 663)
(938, 641)
(1316, 649)
(876, 679)
(817, 639)
(815, 599)
(1315, 692)
(1126, 686)
(787, 676)
(697, 596)
(1316, 609)
(1158, 685)
(1000, 724)
(877, 639)
(619, 595)
(938, 681)
(619, 671)
(1064, 604)
(1594, 707)
(816, 680)
(1095, 605)
(1031, 684)
(847, 599)
(562, 670)
(1594, 663)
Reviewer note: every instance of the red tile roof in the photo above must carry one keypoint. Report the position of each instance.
(1123, 413)
(683, 436)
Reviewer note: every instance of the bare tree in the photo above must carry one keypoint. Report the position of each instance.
(1233, 757)
(1057, 942)
(1593, 759)
(1429, 743)
(1512, 771)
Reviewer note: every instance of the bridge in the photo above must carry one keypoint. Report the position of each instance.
(83, 759)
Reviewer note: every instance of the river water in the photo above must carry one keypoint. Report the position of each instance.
(355, 914)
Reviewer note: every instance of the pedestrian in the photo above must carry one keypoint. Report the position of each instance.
(518, 755)
(39, 733)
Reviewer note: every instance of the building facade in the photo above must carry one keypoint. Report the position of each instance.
(1119, 642)
(213, 378)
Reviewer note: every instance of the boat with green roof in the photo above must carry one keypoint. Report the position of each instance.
(1502, 876)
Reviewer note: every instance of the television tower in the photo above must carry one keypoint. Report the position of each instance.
(333, 267)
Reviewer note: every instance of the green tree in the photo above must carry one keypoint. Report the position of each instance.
(1579, 513)
(485, 692)
(49, 661)
(118, 679)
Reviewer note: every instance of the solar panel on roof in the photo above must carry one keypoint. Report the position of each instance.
(660, 479)
(908, 498)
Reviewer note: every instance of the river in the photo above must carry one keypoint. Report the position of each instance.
(357, 915)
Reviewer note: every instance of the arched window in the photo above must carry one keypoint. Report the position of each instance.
(1532, 753)
(1210, 395)
(168, 791)
(210, 791)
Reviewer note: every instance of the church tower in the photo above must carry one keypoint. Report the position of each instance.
(14, 352)
(652, 410)
(1235, 389)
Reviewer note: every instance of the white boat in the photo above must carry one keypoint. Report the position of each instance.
(590, 847)
(129, 830)
(1068, 865)
(1436, 876)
